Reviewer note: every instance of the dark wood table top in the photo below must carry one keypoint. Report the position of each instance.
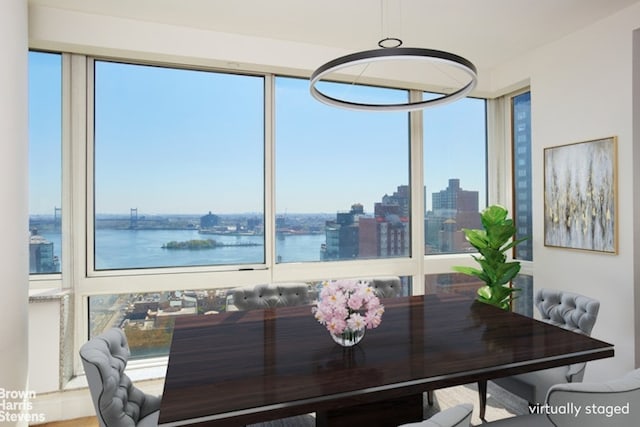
(248, 366)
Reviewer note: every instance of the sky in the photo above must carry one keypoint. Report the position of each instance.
(45, 133)
(190, 142)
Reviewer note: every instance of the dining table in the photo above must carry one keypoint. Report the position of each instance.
(243, 367)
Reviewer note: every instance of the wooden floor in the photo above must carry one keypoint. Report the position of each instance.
(78, 422)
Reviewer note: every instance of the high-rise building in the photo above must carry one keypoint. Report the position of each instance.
(453, 200)
(342, 235)
(522, 174)
(400, 199)
(522, 197)
(387, 234)
(355, 235)
(384, 237)
(452, 210)
(42, 258)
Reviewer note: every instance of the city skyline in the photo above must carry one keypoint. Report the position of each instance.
(357, 233)
(56, 211)
(127, 212)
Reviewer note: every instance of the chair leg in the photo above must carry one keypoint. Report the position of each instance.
(430, 397)
(482, 394)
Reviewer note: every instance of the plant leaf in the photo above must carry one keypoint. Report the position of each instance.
(499, 234)
(470, 271)
(477, 238)
(514, 243)
(494, 214)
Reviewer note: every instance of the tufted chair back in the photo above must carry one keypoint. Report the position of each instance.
(385, 287)
(270, 296)
(610, 403)
(568, 310)
(116, 400)
(622, 394)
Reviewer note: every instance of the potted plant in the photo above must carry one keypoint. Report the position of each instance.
(492, 243)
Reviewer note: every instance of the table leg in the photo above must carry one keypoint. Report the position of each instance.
(482, 394)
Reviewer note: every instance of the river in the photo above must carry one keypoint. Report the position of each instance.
(124, 249)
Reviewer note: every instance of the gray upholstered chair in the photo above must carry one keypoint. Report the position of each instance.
(117, 401)
(611, 404)
(567, 310)
(457, 416)
(270, 296)
(385, 287)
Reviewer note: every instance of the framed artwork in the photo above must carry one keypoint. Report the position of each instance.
(580, 196)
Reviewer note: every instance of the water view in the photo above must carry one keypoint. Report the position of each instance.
(117, 249)
(123, 249)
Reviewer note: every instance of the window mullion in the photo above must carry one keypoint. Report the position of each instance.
(498, 164)
(416, 167)
(85, 176)
(66, 263)
(75, 198)
(269, 174)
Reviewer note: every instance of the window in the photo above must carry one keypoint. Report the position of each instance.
(179, 167)
(181, 175)
(454, 173)
(452, 283)
(45, 162)
(147, 318)
(521, 125)
(523, 302)
(342, 176)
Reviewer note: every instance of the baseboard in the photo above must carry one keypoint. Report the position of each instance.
(77, 403)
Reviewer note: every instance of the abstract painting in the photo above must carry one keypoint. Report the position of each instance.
(580, 200)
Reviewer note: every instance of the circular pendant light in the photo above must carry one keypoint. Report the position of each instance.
(394, 53)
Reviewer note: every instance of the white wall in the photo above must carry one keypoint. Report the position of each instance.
(582, 90)
(636, 174)
(14, 257)
(44, 346)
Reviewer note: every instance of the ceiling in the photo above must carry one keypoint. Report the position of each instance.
(487, 32)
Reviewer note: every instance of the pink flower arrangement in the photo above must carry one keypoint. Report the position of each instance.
(347, 306)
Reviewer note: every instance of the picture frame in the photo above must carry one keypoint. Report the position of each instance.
(581, 196)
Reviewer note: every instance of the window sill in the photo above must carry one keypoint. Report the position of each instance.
(144, 370)
(47, 294)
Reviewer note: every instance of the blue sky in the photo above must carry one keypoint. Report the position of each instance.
(177, 141)
(183, 141)
(45, 133)
(328, 158)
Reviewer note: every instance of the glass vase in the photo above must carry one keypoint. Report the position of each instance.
(349, 338)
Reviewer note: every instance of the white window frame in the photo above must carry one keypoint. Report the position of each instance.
(55, 280)
(79, 275)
